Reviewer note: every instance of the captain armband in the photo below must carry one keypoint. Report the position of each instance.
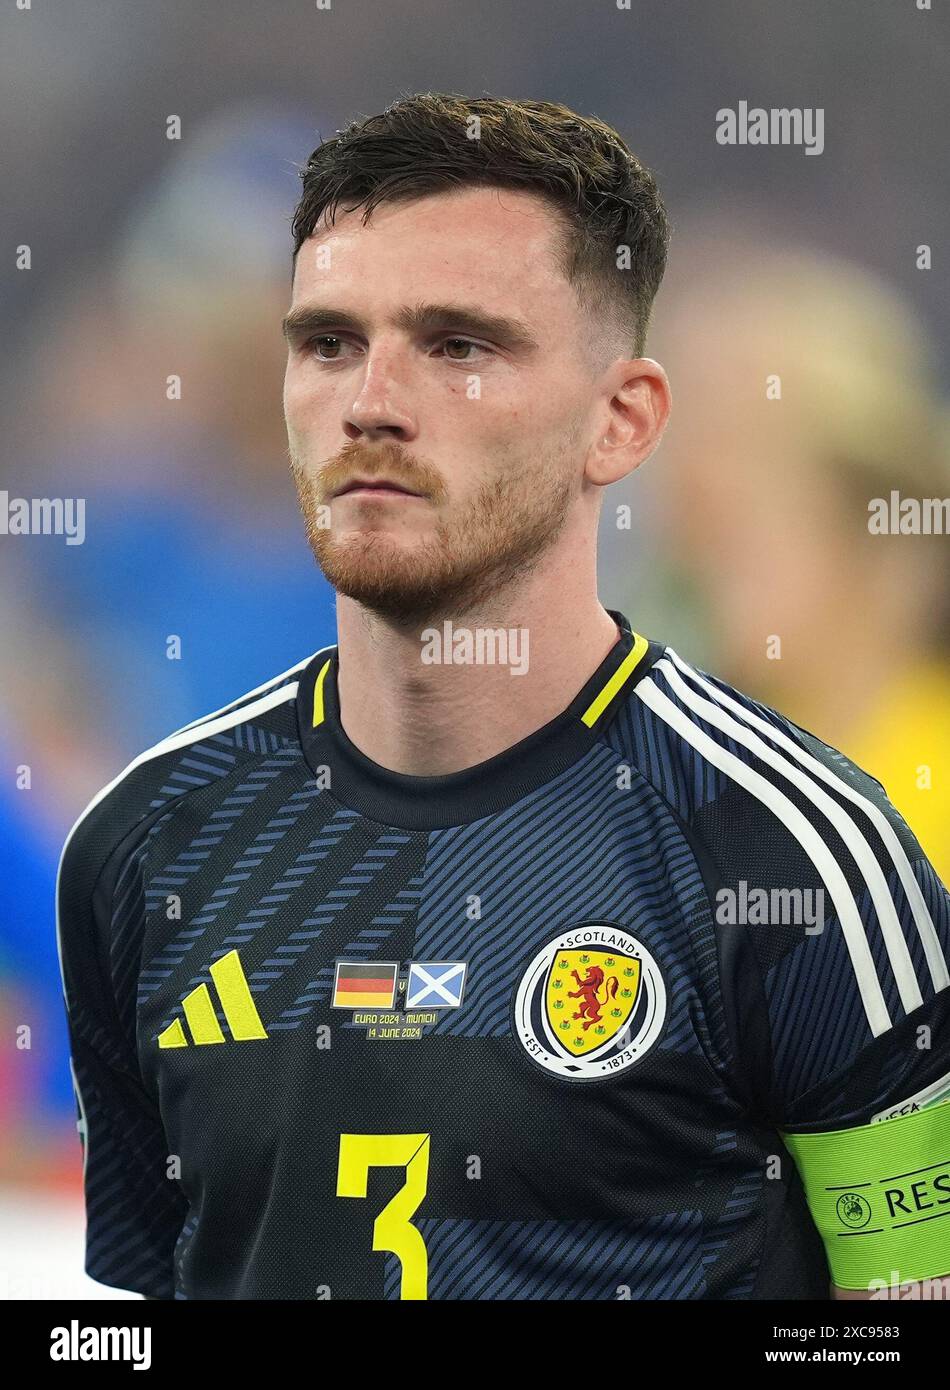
(880, 1196)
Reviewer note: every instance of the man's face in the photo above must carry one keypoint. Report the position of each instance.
(485, 419)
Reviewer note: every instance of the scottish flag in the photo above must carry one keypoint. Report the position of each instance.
(435, 984)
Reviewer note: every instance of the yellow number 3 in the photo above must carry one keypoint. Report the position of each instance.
(392, 1229)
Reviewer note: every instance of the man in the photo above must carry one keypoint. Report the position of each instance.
(428, 970)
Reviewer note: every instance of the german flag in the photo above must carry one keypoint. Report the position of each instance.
(365, 986)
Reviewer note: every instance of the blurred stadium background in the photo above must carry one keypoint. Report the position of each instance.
(152, 257)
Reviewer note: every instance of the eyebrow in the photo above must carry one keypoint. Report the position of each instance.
(307, 320)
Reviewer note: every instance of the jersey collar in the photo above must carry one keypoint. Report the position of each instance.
(428, 803)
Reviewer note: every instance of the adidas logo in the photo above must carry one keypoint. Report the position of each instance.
(240, 1014)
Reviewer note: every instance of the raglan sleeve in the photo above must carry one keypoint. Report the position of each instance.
(134, 1210)
(857, 998)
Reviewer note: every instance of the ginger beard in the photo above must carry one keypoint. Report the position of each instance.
(484, 543)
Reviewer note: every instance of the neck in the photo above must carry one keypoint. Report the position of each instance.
(428, 719)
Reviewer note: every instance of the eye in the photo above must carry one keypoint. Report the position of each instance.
(465, 343)
(329, 338)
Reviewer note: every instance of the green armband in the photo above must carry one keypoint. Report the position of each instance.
(880, 1196)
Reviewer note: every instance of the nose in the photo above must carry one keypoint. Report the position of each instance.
(380, 410)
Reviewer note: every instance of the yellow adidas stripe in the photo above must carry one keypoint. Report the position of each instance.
(318, 711)
(173, 1036)
(201, 1016)
(236, 999)
(619, 678)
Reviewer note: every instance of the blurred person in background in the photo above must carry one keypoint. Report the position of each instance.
(155, 396)
(760, 504)
(191, 531)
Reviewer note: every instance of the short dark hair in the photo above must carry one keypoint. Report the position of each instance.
(616, 230)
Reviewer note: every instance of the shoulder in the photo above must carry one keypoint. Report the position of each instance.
(213, 746)
(764, 794)
(807, 862)
(703, 743)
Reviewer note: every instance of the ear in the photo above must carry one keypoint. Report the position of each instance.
(637, 405)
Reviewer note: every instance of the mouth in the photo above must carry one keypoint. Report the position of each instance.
(381, 487)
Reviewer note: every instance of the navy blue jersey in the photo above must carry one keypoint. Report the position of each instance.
(550, 1027)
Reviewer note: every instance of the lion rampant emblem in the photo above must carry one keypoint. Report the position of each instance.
(588, 990)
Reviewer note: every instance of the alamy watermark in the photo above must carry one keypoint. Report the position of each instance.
(926, 1290)
(480, 646)
(43, 516)
(771, 907)
(775, 125)
(80, 1343)
(909, 516)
